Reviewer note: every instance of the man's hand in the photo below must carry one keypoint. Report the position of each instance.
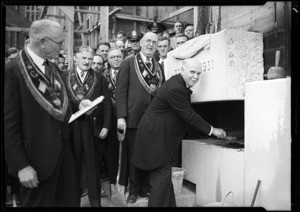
(85, 103)
(121, 124)
(28, 177)
(219, 133)
(103, 133)
(121, 127)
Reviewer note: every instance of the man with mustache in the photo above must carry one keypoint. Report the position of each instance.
(161, 129)
(89, 131)
(138, 79)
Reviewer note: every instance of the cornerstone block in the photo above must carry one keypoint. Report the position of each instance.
(228, 59)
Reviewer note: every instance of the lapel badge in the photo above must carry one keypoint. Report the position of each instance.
(74, 87)
(33, 74)
(145, 73)
(57, 84)
(79, 96)
(57, 101)
(42, 87)
(29, 67)
(152, 86)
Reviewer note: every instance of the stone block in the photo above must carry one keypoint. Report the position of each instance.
(268, 143)
(228, 59)
(215, 170)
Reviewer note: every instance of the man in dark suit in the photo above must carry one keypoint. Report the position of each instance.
(36, 111)
(162, 128)
(163, 49)
(138, 79)
(85, 85)
(115, 58)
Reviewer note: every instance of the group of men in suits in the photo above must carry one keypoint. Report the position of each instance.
(54, 160)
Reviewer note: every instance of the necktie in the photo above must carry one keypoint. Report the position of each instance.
(162, 64)
(48, 71)
(148, 64)
(82, 76)
(115, 75)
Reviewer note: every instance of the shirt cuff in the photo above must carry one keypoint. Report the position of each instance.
(211, 130)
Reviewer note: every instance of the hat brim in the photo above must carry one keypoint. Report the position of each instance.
(135, 39)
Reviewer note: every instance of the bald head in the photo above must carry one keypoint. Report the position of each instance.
(46, 38)
(190, 71)
(120, 45)
(113, 45)
(44, 27)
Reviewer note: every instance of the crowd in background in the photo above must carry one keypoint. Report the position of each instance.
(176, 36)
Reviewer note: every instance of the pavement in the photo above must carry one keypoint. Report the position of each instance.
(186, 198)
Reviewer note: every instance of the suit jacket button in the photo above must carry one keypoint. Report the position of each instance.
(59, 132)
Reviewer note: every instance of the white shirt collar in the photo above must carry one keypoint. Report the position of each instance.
(79, 74)
(144, 58)
(161, 60)
(113, 72)
(36, 59)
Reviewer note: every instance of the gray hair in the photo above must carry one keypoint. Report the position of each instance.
(85, 49)
(109, 53)
(40, 28)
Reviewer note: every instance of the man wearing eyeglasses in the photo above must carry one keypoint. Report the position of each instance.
(36, 111)
(90, 130)
(138, 79)
(115, 58)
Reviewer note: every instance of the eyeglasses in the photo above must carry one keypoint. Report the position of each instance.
(152, 42)
(113, 57)
(58, 43)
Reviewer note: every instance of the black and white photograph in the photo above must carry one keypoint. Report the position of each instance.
(189, 106)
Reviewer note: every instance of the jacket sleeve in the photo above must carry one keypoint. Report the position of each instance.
(14, 148)
(122, 88)
(106, 103)
(179, 100)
